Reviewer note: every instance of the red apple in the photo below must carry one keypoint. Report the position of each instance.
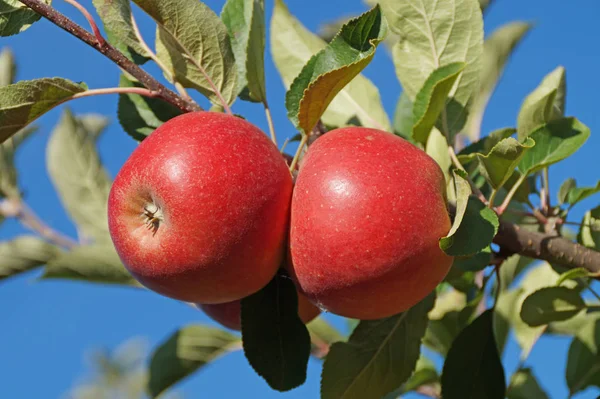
(199, 212)
(229, 314)
(368, 210)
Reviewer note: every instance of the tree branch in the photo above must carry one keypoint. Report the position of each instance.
(113, 54)
(551, 248)
(16, 208)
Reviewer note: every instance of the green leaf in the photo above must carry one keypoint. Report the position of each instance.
(572, 326)
(476, 262)
(462, 191)
(431, 99)
(139, 116)
(16, 17)
(485, 144)
(276, 342)
(245, 22)
(500, 163)
(551, 304)
(432, 34)
(524, 385)
(116, 18)
(193, 44)
(484, 4)
(577, 194)
(78, 176)
(437, 148)
(459, 280)
(425, 374)
(504, 316)
(91, 263)
(554, 142)
(327, 72)
(24, 253)
(474, 232)
(322, 331)
(573, 274)
(379, 356)
(292, 45)
(8, 172)
(449, 315)
(583, 359)
(539, 276)
(473, 368)
(512, 268)
(564, 189)
(589, 233)
(93, 124)
(8, 67)
(403, 117)
(497, 49)
(25, 101)
(545, 104)
(187, 350)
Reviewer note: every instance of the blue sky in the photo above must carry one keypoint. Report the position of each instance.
(47, 327)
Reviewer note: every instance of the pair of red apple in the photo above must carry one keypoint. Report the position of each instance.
(200, 212)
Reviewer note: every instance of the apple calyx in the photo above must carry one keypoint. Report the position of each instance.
(153, 217)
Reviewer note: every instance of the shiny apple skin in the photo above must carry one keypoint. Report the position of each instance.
(223, 190)
(368, 210)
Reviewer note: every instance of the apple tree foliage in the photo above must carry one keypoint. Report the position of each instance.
(506, 277)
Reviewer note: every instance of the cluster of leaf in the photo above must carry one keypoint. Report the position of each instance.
(83, 192)
(448, 74)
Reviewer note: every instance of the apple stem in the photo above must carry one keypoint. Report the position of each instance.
(545, 195)
(317, 132)
(111, 53)
(118, 90)
(303, 142)
(180, 89)
(458, 165)
(90, 19)
(500, 210)
(285, 143)
(270, 123)
(16, 208)
(492, 198)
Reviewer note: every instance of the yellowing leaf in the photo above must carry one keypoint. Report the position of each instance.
(292, 45)
(333, 67)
